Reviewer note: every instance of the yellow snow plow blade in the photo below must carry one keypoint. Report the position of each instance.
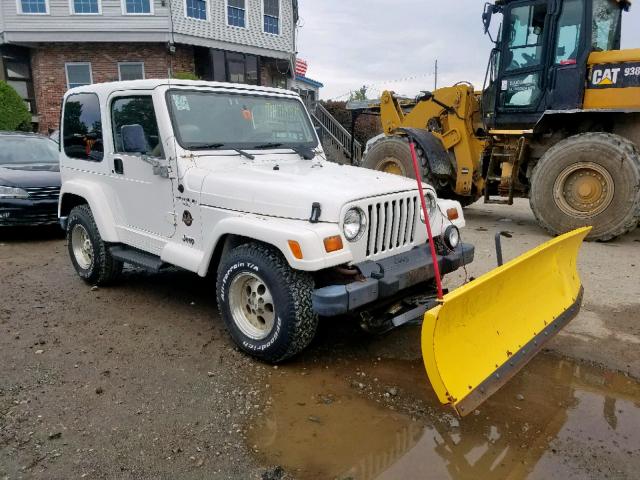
(484, 332)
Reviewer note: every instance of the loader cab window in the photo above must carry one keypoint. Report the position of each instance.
(569, 32)
(606, 25)
(523, 57)
(526, 36)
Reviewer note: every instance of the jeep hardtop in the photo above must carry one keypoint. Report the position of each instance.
(231, 181)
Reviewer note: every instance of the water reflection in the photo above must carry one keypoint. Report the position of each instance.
(555, 417)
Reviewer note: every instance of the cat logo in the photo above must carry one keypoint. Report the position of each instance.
(606, 76)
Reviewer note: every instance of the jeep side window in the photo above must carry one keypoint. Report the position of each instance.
(82, 127)
(136, 112)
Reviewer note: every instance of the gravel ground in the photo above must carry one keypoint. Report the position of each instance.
(140, 380)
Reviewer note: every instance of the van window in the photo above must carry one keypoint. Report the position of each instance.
(82, 127)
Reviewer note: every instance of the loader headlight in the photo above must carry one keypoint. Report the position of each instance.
(354, 224)
(452, 236)
(11, 192)
(432, 205)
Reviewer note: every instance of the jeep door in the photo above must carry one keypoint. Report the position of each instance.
(142, 189)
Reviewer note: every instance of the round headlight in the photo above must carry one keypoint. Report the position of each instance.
(452, 236)
(354, 224)
(432, 205)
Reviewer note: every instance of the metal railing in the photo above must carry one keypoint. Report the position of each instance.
(335, 137)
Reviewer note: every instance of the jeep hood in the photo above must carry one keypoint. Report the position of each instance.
(288, 188)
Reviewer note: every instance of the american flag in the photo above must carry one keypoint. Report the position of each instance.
(301, 67)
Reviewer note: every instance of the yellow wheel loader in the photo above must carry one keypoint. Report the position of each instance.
(558, 120)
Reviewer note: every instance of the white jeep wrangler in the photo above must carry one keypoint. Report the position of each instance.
(231, 180)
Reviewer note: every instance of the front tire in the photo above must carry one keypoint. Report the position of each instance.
(89, 254)
(391, 154)
(265, 304)
(588, 179)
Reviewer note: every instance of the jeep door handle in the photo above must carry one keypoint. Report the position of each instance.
(118, 166)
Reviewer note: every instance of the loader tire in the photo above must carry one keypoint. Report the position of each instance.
(391, 154)
(588, 179)
(265, 304)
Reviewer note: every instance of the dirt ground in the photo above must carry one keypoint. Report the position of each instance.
(140, 381)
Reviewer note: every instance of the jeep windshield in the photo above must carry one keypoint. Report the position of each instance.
(206, 120)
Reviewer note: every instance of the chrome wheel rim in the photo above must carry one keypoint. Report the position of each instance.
(81, 246)
(584, 190)
(251, 306)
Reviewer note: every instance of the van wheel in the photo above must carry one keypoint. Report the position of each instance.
(89, 253)
(265, 304)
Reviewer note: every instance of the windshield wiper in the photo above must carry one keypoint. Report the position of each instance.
(304, 152)
(217, 146)
(267, 145)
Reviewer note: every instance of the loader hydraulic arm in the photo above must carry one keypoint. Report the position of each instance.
(451, 114)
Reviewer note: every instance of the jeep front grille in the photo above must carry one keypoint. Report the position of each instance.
(392, 223)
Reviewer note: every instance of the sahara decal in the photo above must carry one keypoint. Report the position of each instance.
(620, 75)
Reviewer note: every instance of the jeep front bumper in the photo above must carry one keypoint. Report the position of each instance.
(385, 278)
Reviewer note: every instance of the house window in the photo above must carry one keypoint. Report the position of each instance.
(131, 70)
(197, 9)
(78, 74)
(272, 16)
(15, 69)
(137, 7)
(34, 6)
(236, 13)
(81, 7)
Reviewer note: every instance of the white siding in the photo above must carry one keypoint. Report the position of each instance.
(60, 20)
(112, 25)
(216, 28)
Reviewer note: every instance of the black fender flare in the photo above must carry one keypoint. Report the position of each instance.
(439, 162)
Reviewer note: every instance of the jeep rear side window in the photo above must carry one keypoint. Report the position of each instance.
(82, 127)
(136, 110)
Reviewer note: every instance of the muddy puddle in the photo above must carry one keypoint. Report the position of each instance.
(379, 419)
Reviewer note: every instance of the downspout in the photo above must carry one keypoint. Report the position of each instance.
(294, 6)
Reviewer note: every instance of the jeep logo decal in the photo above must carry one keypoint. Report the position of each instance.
(188, 240)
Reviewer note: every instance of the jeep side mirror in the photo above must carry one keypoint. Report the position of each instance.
(133, 139)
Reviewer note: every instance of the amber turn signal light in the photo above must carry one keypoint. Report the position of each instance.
(295, 249)
(333, 244)
(452, 213)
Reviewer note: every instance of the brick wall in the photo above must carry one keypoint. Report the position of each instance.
(49, 76)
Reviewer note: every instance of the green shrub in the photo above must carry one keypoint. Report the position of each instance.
(186, 76)
(14, 114)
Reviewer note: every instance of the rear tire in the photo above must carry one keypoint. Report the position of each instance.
(588, 179)
(265, 304)
(391, 154)
(89, 254)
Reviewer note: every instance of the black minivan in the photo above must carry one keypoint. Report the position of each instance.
(29, 179)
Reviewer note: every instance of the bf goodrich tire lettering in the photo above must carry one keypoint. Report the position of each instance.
(607, 158)
(294, 325)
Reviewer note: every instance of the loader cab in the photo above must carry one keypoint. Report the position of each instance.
(539, 62)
